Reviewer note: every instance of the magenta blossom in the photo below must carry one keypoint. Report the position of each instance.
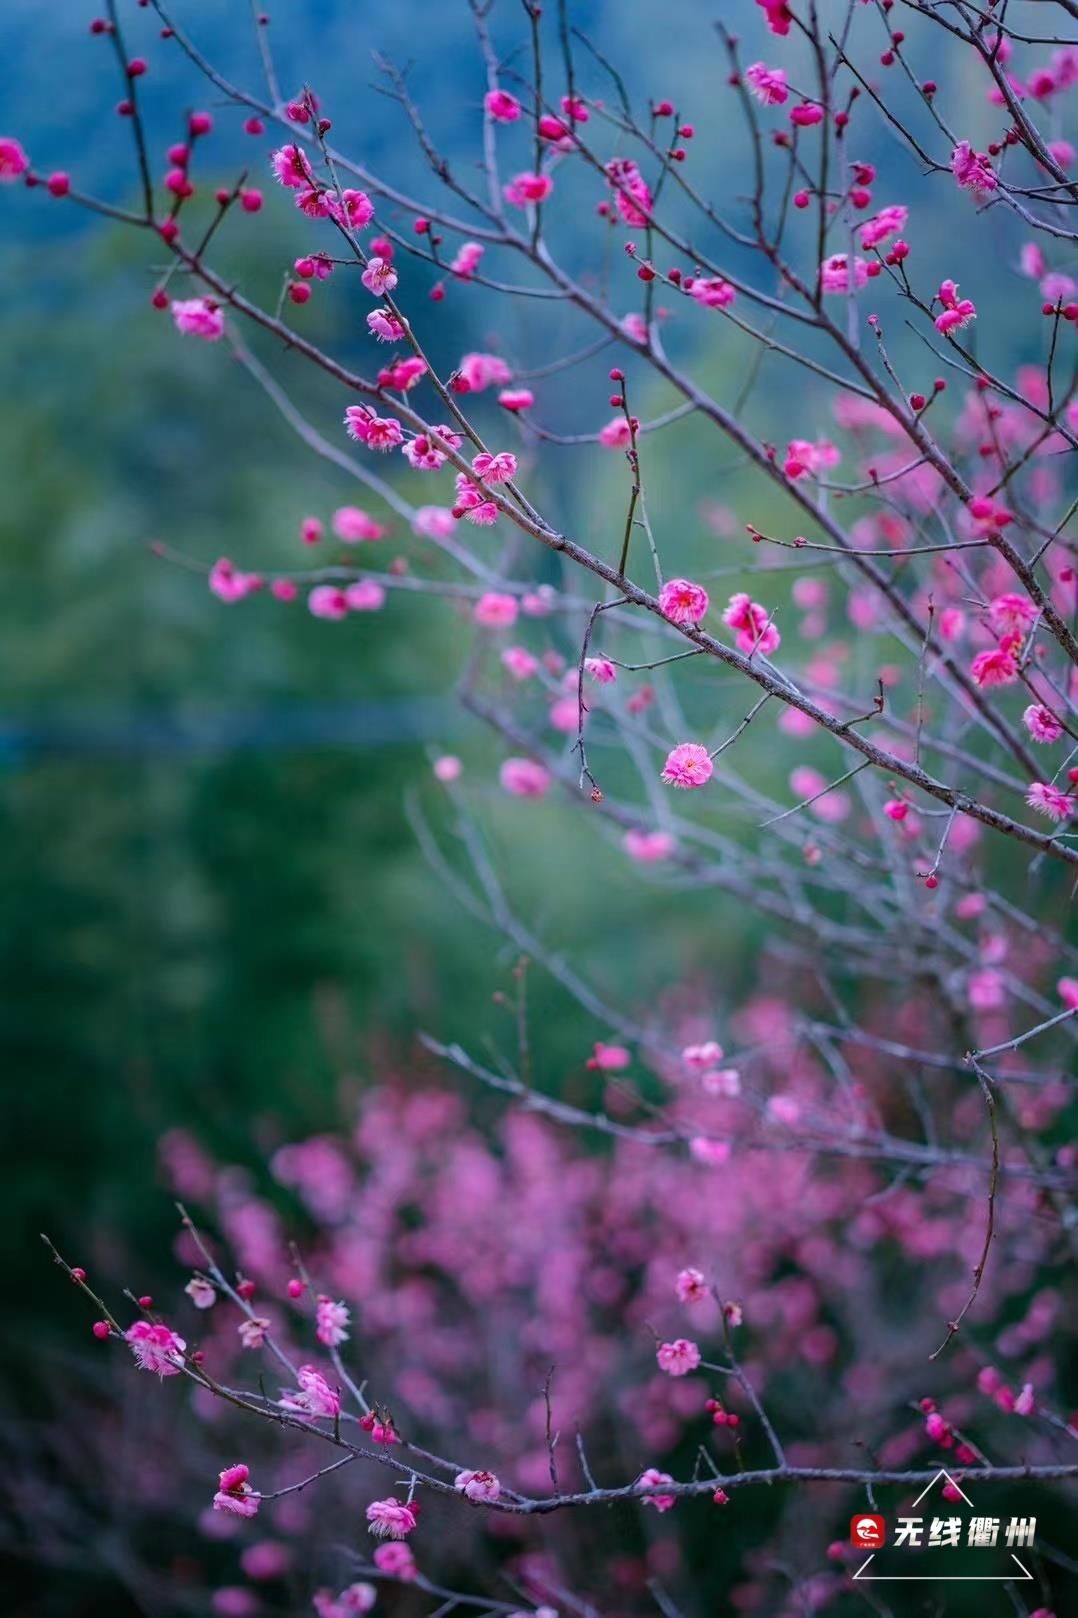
(13, 160)
(198, 317)
(682, 601)
(234, 1494)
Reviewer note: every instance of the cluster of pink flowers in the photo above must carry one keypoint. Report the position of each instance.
(756, 632)
(956, 312)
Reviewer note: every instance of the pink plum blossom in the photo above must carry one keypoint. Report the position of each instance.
(688, 765)
(331, 1322)
(679, 1357)
(481, 1487)
(156, 1348)
(391, 1519)
(682, 601)
(198, 317)
(234, 1494)
(525, 778)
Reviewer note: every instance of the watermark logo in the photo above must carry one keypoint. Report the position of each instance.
(867, 1533)
(929, 1533)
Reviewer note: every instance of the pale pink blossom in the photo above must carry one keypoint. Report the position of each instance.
(479, 371)
(520, 663)
(609, 1058)
(1057, 287)
(1025, 1403)
(835, 273)
(539, 603)
(353, 525)
(379, 276)
(1031, 260)
(467, 259)
(201, 1293)
(691, 1286)
(423, 454)
(711, 1153)
(434, 522)
(495, 610)
(447, 768)
(986, 990)
(767, 84)
(678, 1358)
(331, 1322)
(617, 434)
(524, 778)
(687, 765)
(314, 1396)
(648, 1479)
(1067, 989)
(482, 1487)
(1051, 800)
(156, 1348)
(648, 847)
(252, 1332)
(198, 317)
(391, 1519)
(564, 715)
(1041, 723)
(721, 1081)
(1012, 613)
(682, 601)
(698, 1058)
(804, 458)
(385, 326)
(365, 595)
(396, 1560)
(601, 670)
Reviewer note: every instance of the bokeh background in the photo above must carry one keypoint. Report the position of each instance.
(213, 909)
